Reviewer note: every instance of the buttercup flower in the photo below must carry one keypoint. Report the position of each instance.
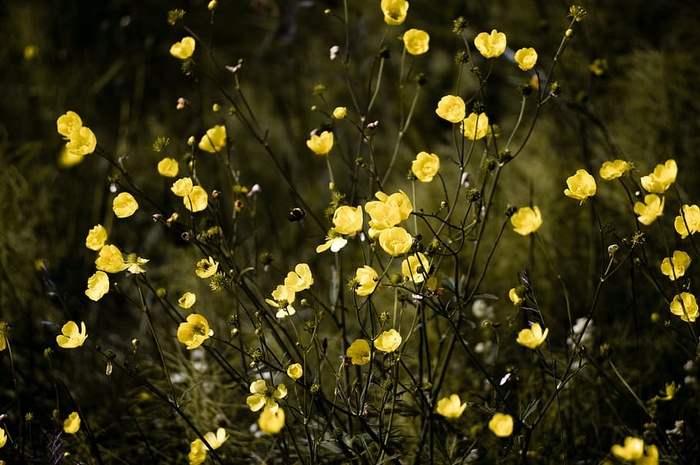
(661, 178)
(581, 186)
(198, 452)
(263, 395)
(395, 241)
(689, 222)
(652, 208)
(194, 331)
(214, 140)
(135, 263)
(526, 220)
(394, 11)
(72, 424)
(515, 297)
(425, 166)
(82, 141)
(340, 112)
(98, 286)
(206, 268)
(415, 268)
(366, 279)
(187, 300)
(632, 451)
(271, 421)
(416, 41)
(183, 49)
(282, 299)
(347, 220)
(359, 352)
(3, 438)
(475, 127)
(451, 407)
(501, 424)
(685, 306)
(182, 187)
(532, 337)
(110, 260)
(72, 337)
(124, 205)
(216, 440)
(96, 237)
(526, 58)
(295, 371)
(168, 167)
(614, 169)
(196, 200)
(388, 341)
(491, 45)
(681, 262)
(299, 279)
(67, 123)
(451, 108)
(320, 144)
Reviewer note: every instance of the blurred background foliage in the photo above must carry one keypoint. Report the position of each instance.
(629, 90)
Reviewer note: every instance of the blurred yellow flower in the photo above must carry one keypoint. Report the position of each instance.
(610, 170)
(661, 178)
(526, 220)
(110, 259)
(320, 144)
(198, 452)
(394, 11)
(98, 286)
(72, 424)
(3, 335)
(197, 199)
(451, 108)
(388, 341)
(96, 237)
(366, 279)
(216, 440)
(263, 395)
(475, 127)
(491, 45)
(652, 208)
(415, 268)
(72, 337)
(3, 437)
(451, 407)
(359, 352)
(685, 306)
(182, 187)
(135, 263)
(206, 268)
(681, 262)
(295, 371)
(688, 222)
(183, 49)
(168, 167)
(347, 220)
(632, 451)
(668, 393)
(532, 337)
(299, 279)
(271, 421)
(501, 424)
(124, 205)
(426, 166)
(526, 58)
(340, 112)
(214, 140)
(581, 186)
(187, 300)
(67, 159)
(650, 457)
(416, 41)
(193, 332)
(282, 299)
(515, 297)
(395, 240)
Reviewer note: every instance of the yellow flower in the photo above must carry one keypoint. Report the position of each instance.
(194, 331)
(96, 237)
(216, 440)
(526, 58)
(3, 336)
(425, 166)
(668, 393)
(347, 220)
(652, 208)
(415, 268)
(526, 220)
(67, 123)
(182, 187)
(359, 352)
(366, 279)
(661, 178)
(395, 241)
(187, 300)
(299, 279)
(650, 457)
(681, 262)
(394, 11)
(271, 421)
(124, 205)
(515, 296)
(451, 407)
(295, 371)
(168, 167)
(214, 140)
(475, 127)
(206, 268)
(3, 438)
(110, 260)
(532, 337)
(685, 306)
(183, 49)
(282, 299)
(263, 395)
(501, 424)
(135, 263)
(197, 200)
(67, 159)
(72, 424)
(416, 41)
(614, 169)
(633, 449)
(491, 45)
(340, 112)
(581, 186)
(82, 141)
(451, 108)
(198, 452)
(688, 222)
(98, 286)
(398, 200)
(382, 216)
(388, 341)
(333, 242)
(320, 144)
(72, 337)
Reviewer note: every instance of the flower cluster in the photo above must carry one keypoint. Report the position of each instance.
(81, 139)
